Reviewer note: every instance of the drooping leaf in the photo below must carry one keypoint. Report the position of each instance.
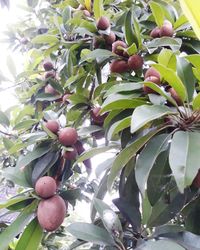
(129, 30)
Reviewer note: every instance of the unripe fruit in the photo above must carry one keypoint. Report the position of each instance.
(50, 90)
(152, 72)
(153, 79)
(86, 13)
(166, 29)
(70, 155)
(96, 117)
(45, 187)
(135, 62)
(109, 39)
(51, 213)
(50, 74)
(196, 181)
(155, 33)
(103, 23)
(52, 125)
(148, 90)
(68, 136)
(119, 66)
(116, 47)
(175, 96)
(48, 66)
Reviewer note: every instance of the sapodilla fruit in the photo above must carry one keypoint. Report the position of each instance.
(152, 72)
(70, 155)
(96, 117)
(68, 136)
(109, 39)
(52, 125)
(117, 47)
(153, 79)
(166, 29)
(135, 62)
(48, 66)
(103, 23)
(51, 213)
(119, 66)
(45, 187)
(175, 96)
(155, 33)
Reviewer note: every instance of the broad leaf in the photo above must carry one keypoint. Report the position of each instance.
(45, 39)
(4, 119)
(98, 8)
(157, 13)
(160, 244)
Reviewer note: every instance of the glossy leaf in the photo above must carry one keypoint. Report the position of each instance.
(196, 102)
(157, 13)
(160, 244)
(45, 39)
(129, 30)
(98, 8)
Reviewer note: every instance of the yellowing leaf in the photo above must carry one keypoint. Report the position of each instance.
(191, 9)
(88, 5)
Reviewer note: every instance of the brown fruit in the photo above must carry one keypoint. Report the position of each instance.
(175, 96)
(68, 136)
(119, 66)
(52, 125)
(97, 119)
(166, 29)
(155, 33)
(48, 66)
(98, 42)
(45, 187)
(148, 90)
(70, 155)
(109, 39)
(50, 90)
(153, 79)
(196, 181)
(51, 213)
(103, 23)
(135, 62)
(50, 74)
(86, 13)
(152, 72)
(117, 47)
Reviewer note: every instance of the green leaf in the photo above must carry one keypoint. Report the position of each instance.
(147, 159)
(129, 31)
(45, 39)
(25, 124)
(167, 58)
(90, 233)
(196, 102)
(184, 71)
(173, 80)
(13, 201)
(157, 13)
(31, 237)
(184, 157)
(145, 114)
(32, 3)
(7, 143)
(160, 244)
(173, 43)
(71, 194)
(98, 54)
(127, 154)
(16, 227)
(123, 87)
(180, 21)
(195, 60)
(4, 119)
(98, 8)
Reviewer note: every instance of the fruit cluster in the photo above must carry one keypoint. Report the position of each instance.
(165, 30)
(52, 208)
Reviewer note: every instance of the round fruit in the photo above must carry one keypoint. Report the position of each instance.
(166, 29)
(153, 79)
(50, 90)
(70, 155)
(68, 136)
(196, 181)
(51, 213)
(152, 72)
(96, 117)
(86, 13)
(155, 32)
(175, 96)
(135, 62)
(52, 125)
(119, 66)
(103, 23)
(48, 66)
(45, 187)
(148, 90)
(109, 39)
(50, 74)
(117, 47)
